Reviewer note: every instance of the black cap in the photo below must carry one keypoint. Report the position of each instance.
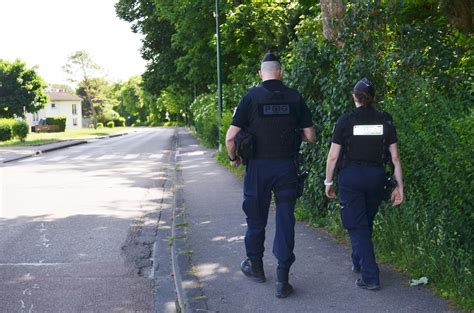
(364, 85)
(269, 56)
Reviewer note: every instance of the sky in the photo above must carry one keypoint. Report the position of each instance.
(44, 33)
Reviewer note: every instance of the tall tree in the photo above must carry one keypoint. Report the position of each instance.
(81, 68)
(459, 12)
(21, 89)
(132, 103)
(99, 92)
(157, 49)
(332, 13)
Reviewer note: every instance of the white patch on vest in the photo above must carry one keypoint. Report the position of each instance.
(368, 130)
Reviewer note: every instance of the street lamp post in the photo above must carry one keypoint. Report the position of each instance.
(219, 83)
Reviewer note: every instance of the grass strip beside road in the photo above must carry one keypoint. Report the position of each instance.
(35, 139)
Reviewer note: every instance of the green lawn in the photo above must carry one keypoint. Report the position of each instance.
(34, 139)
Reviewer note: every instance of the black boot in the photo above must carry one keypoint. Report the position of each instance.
(253, 270)
(283, 288)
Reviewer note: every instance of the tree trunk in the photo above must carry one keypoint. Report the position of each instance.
(332, 13)
(90, 102)
(459, 13)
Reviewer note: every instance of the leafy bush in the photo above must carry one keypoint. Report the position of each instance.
(57, 120)
(205, 112)
(110, 124)
(422, 70)
(6, 128)
(119, 122)
(20, 129)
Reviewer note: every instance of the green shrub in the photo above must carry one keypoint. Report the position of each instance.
(57, 120)
(422, 70)
(110, 124)
(100, 125)
(119, 122)
(20, 129)
(5, 133)
(205, 113)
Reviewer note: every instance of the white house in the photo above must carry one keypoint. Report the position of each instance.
(60, 103)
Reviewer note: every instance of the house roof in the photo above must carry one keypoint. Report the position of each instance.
(62, 96)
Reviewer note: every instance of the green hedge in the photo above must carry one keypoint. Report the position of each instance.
(6, 128)
(119, 122)
(57, 120)
(20, 129)
(422, 70)
(205, 114)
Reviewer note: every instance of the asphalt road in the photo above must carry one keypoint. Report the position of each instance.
(78, 227)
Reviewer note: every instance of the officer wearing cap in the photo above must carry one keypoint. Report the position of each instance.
(278, 119)
(363, 140)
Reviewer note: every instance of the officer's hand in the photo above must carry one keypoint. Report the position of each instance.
(330, 193)
(235, 163)
(397, 196)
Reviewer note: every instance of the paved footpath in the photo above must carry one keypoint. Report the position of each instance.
(321, 275)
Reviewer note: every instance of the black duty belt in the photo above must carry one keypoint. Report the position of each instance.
(364, 163)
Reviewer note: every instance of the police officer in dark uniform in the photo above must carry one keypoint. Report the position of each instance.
(362, 142)
(278, 119)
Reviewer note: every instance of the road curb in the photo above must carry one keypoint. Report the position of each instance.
(190, 297)
(76, 143)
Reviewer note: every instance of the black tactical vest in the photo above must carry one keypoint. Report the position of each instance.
(366, 142)
(273, 121)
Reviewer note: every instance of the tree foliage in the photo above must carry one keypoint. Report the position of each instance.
(21, 89)
(133, 102)
(82, 69)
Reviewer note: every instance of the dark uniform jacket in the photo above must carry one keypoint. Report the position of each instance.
(365, 135)
(272, 112)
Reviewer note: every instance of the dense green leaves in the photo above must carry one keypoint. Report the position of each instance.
(423, 71)
(21, 89)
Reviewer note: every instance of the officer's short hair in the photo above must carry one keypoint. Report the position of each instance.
(270, 66)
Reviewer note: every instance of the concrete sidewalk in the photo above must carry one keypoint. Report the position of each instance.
(321, 275)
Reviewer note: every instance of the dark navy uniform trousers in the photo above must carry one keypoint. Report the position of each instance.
(262, 177)
(360, 194)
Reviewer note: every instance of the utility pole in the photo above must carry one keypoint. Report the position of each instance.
(219, 83)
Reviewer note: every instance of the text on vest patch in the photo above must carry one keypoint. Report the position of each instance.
(368, 130)
(276, 109)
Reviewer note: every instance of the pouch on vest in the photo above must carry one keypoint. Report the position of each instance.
(245, 145)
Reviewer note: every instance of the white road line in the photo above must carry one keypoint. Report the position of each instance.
(195, 153)
(32, 159)
(82, 157)
(107, 157)
(131, 156)
(156, 156)
(42, 264)
(58, 158)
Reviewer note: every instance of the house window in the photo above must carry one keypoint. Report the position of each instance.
(53, 105)
(35, 117)
(74, 109)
